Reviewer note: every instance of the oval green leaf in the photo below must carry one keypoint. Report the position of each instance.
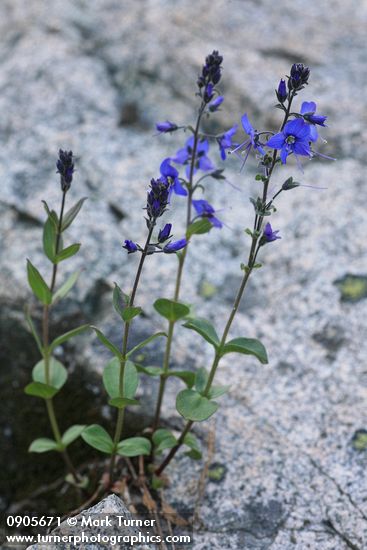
(67, 252)
(145, 342)
(38, 285)
(122, 402)
(98, 438)
(72, 434)
(66, 287)
(58, 373)
(205, 329)
(134, 446)
(193, 406)
(107, 343)
(64, 337)
(72, 214)
(199, 227)
(111, 379)
(37, 389)
(173, 311)
(246, 346)
(42, 445)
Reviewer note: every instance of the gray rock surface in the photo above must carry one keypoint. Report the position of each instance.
(94, 76)
(105, 518)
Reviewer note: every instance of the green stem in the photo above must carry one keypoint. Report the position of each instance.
(182, 258)
(255, 246)
(125, 338)
(46, 355)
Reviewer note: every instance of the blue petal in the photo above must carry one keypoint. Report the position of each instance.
(302, 148)
(181, 157)
(308, 108)
(205, 163)
(277, 141)
(203, 146)
(295, 126)
(247, 125)
(283, 155)
(314, 135)
(178, 188)
(167, 170)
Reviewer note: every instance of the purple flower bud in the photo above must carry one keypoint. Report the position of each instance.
(130, 246)
(298, 77)
(166, 127)
(175, 246)
(282, 91)
(209, 92)
(216, 103)
(65, 167)
(269, 235)
(164, 233)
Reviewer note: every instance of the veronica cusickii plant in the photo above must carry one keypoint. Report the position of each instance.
(296, 137)
(49, 374)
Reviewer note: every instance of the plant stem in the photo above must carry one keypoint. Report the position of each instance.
(46, 355)
(120, 414)
(255, 246)
(182, 258)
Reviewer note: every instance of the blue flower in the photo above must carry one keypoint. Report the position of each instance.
(175, 246)
(130, 246)
(65, 167)
(282, 93)
(169, 174)
(253, 140)
(164, 234)
(294, 138)
(269, 235)
(216, 103)
(165, 127)
(206, 210)
(202, 161)
(308, 111)
(225, 141)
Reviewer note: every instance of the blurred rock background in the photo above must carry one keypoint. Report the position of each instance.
(94, 76)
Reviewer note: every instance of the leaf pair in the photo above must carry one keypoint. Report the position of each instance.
(98, 438)
(44, 444)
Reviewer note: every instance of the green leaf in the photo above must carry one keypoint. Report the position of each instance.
(38, 285)
(49, 238)
(247, 346)
(199, 227)
(163, 439)
(186, 375)
(67, 252)
(134, 446)
(72, 214)
(150, 371)
(42, 445)
(111, 379)
(64, 337)
(130, 312)
(33, 330)
(52, 214)
(173, 311)
(72, 434)
(120, 299)
(98, 438)
(201, 379)
(193, 406)
(107, 343)
(217, 391)
(58, 373)
(205, 329)
(66, 287)
(122, 402)
(37, 389)
(191, 442)
(145, 342)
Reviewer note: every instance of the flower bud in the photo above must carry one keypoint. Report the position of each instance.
(65, 167)
(130, 246)
(175, 246)
(282, 91)
(164, 234)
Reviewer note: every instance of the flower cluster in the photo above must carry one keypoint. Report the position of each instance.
(210, 76)
(65, 167)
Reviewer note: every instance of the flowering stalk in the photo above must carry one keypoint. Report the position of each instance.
(211, 74)
(293, 138)
(49, 375)
(120, 414)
